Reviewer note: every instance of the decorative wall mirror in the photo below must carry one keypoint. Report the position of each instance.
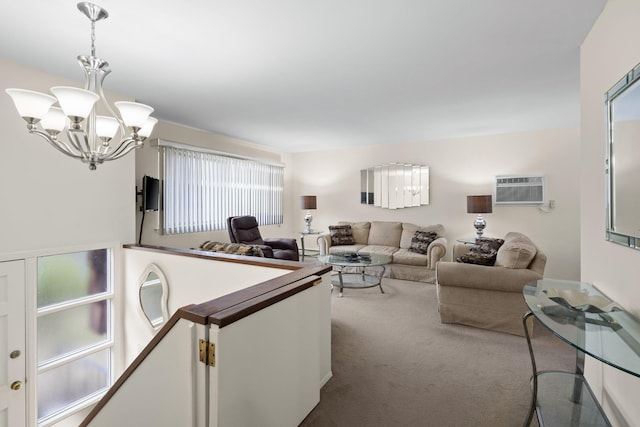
(154, 293)
(622, 104)
(395, 185)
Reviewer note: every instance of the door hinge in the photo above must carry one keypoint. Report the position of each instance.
(207, 352)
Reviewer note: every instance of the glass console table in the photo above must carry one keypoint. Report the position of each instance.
(612, 337)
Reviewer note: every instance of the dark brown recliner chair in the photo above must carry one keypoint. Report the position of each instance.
(244, 229)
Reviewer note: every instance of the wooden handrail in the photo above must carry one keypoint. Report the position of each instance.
(220, 256)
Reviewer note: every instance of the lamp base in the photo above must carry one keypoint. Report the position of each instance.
(308, 218)
(479, 224)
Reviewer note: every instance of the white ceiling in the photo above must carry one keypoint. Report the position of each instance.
(301, 75)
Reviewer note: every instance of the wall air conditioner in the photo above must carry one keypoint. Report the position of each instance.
(523, 190)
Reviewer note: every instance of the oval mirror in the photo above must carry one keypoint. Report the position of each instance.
(154, 293)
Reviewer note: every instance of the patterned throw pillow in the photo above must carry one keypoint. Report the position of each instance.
(232, 248)
(421, 240)
(341, 235)
(479, 256)
(488, 243)
(484, 252)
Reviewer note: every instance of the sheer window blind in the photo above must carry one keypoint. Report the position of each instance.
(201, 190)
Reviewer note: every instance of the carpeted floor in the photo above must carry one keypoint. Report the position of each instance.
(395, 364)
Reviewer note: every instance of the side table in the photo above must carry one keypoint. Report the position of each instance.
(302, 235)
(467, 240)
(612, 337)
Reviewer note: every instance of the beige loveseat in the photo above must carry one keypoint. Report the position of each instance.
(490, 297)
(394, 239)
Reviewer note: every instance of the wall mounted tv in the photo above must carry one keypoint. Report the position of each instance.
(150, 193)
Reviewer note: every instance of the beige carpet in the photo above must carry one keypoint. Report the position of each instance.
(395, 364)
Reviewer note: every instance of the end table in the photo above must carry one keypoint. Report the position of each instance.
(302, 234)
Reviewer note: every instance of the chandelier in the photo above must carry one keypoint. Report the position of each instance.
(73, 126)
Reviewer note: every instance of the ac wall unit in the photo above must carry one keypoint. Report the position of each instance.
(519, 190)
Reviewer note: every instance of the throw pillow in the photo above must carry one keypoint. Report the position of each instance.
(479, 256)
(341, 235)
(489, 243)
(484, 252)
(421, 240)
(517, 252)
(232, 248)
(360, 231)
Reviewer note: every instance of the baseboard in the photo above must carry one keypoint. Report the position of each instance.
(613, 411)
(326, 379)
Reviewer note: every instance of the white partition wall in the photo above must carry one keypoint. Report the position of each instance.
(162, 390)
(266, 364)
(270, 343)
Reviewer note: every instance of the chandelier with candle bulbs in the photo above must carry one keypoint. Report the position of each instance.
(69, 120)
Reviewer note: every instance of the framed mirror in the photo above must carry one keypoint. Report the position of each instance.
(622, 164)
(154, 294)
(395, 185)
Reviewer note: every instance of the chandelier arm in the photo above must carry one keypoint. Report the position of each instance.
(115, 151)
(127, 151)
(123, 131)
(126, 146)
(57, 144)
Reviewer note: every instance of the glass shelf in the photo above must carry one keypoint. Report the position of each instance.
(578, 408)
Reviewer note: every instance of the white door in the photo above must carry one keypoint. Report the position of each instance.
(12, 344)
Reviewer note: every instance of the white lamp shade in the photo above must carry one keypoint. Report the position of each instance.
(146, 130)
(106, 127)
(30, 103)
(133, 114)
(55, 120)
(75, 102)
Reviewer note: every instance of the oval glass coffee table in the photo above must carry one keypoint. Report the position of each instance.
(357, 271)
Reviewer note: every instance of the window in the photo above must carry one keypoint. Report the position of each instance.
(203, 189)
(74, 331)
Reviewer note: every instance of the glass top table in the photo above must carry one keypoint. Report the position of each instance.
(355, 270)
(572, 311)
(304, 233)
(612, 337)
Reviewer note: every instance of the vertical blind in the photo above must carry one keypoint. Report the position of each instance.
(201, 190)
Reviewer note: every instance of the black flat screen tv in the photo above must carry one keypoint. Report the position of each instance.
(150, 193)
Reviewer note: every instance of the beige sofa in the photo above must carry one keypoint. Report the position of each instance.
(394, 239)
(490, 297)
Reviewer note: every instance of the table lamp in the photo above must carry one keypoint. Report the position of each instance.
(308, 203)
(479, 205)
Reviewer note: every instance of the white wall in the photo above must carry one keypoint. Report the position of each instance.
(147, 163)
(459, 168)
(609, 51)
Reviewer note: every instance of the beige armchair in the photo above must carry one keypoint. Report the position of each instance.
(489, 297)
